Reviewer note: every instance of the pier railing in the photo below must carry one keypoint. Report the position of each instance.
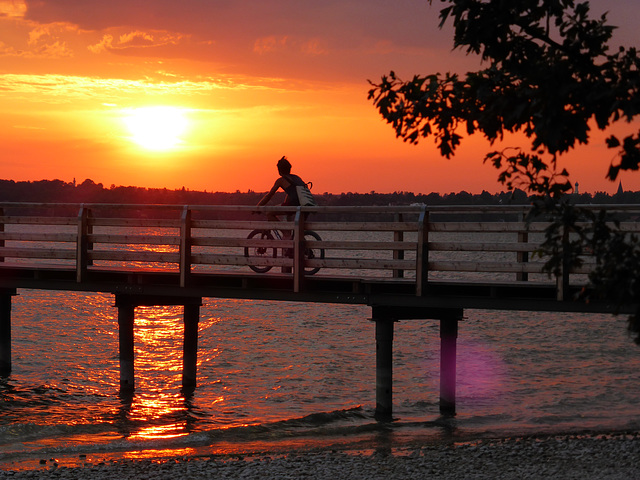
(415, 244)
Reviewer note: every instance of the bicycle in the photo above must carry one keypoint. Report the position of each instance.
(272, 252)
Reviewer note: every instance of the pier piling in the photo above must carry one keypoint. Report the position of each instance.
(5, 332)
(384, 367)
(385, 316)
(126, 304)
(126, 315)
(448, 347)
(190, 347)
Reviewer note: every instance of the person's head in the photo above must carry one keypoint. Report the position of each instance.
(284, 167)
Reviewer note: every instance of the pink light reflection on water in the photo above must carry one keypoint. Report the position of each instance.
(481, 371)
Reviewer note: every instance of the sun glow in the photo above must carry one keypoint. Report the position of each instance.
(156, 128)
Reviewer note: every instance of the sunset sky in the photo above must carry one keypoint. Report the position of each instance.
(208, 94)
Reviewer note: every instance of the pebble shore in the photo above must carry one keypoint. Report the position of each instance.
(602, 457)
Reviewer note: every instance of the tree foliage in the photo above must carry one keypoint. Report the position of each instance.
(548, 73)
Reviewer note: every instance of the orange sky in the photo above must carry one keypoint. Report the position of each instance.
(240, 84)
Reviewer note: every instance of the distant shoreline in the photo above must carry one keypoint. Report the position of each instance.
(57, 191)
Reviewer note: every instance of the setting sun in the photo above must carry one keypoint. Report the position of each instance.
(156, 128)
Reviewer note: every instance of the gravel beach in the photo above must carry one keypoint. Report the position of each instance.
(558, 457)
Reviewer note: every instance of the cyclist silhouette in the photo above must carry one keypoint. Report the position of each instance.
(287, 182)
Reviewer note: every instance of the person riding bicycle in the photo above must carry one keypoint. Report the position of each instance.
(287, 182)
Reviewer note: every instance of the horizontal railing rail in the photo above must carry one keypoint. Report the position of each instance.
(415, 244)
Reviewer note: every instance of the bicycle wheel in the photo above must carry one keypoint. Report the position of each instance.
(312, 253)
(260, 252)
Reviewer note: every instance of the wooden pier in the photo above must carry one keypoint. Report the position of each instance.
(409, 262)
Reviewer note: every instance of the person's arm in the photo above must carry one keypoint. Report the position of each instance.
(271, 192)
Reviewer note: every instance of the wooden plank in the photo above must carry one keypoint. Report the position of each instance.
(483, 247)
(38, 237)
(488, 227)
(362, 245)
(486, 267)
(241, 242)
(241, 225)
(33, 220)
(327, 245)
(134, 239)
(134, 222)
(239, 260)
(362, 226)
(363, 263)
(51, 253)
(134, 256)
(513, 227)
(343, 263)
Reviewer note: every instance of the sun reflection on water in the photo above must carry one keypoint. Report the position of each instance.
(157, 410)
(156, 417)
(157, 454)
(160, 432)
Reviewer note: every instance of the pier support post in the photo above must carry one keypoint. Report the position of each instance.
(5, 332)
(448, 340)
(126, 304)
(126, 315)
(385, 316)
(384, 368)
(190, 348)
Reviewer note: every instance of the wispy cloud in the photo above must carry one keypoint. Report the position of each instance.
(66, 89)
(283, 43)
(136, 40)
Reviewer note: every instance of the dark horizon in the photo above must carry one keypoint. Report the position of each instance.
(89, 191)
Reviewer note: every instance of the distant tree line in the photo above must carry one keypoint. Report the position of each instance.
(57, 191)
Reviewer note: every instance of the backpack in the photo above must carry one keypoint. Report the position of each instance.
(305, 197)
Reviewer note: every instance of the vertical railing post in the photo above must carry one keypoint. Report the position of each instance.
(82, 244)
(185, 246)
(562, 280)
(448, 347)
(422, 255)
(398, 236)
(522, 256)
(298, 251)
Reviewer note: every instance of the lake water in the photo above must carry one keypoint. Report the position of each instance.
(278, 375)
